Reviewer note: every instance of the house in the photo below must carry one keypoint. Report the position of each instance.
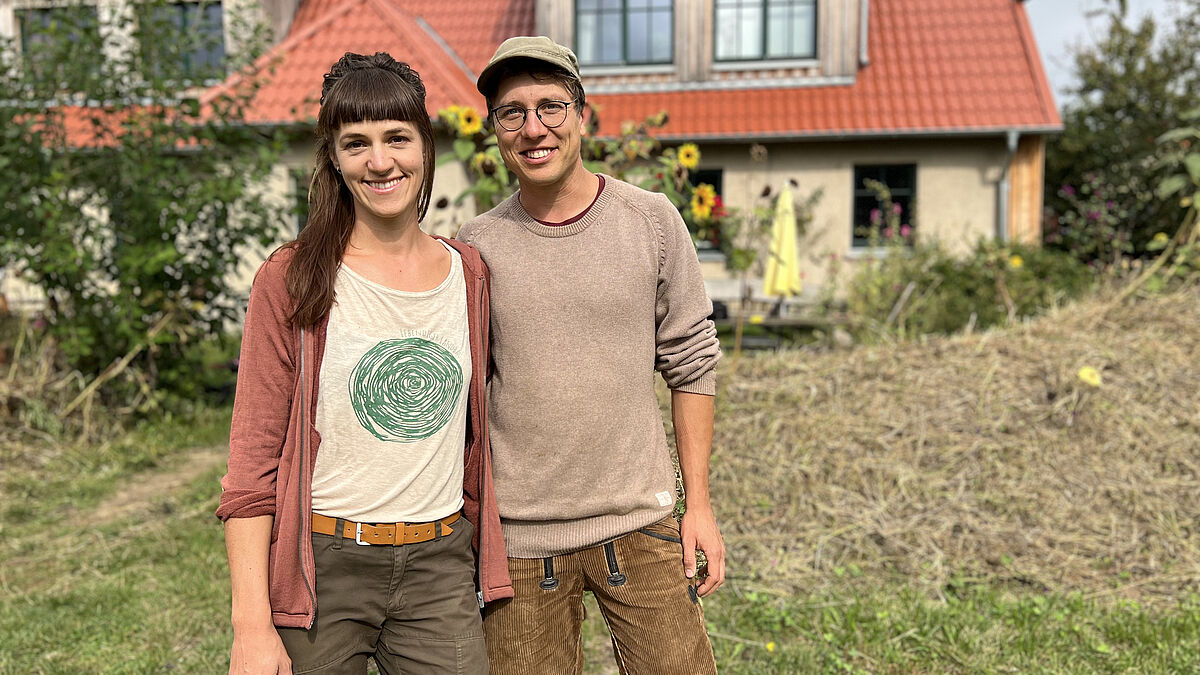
(945, 101)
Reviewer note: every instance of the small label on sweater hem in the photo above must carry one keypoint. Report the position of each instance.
(664, 498)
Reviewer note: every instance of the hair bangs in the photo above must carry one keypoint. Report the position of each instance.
(371, 95)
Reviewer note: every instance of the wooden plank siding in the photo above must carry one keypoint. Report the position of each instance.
(838, 35)
(1026, 173)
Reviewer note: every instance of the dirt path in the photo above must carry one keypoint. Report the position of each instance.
(150, 487)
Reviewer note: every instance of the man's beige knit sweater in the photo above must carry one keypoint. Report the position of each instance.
(582, 317)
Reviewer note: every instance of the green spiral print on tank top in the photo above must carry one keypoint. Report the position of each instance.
(405, 390)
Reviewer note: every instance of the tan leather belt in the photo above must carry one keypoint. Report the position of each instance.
(386, 534)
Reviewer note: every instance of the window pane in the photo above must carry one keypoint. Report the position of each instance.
(598, 32)
(183, 41)
(726, 34)
(209, 55)
(58, 44)
(739, 30)
(901, 182)
(639, 41)
(650, 35)
(750, 35)
(804, 31)
(791, 28)
(610, 38)
(779, 30)
(587, 43)
(662, 37)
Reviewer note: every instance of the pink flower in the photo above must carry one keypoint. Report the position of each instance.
(905, 230)
(896, 209)
(887, 233)
(876, 216)
(1068, 190)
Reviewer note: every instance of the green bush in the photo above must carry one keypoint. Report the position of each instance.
(920, 289)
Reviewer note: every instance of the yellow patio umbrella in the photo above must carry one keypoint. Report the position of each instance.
(783, 261)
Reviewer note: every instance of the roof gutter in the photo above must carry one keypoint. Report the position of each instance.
(851, 135)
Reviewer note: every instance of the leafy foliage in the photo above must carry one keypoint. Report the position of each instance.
(1102, 173)
(128, 199)
(925, 289)
(908, 287)
(638, 157)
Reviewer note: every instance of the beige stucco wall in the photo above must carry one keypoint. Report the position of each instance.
(955, 200)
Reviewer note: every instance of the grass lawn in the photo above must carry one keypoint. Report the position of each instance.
(969, 504)
(143, 588)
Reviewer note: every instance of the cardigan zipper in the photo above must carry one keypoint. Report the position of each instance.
(479, 436)
(300, 485)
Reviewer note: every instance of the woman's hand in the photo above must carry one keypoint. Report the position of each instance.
(258, 651)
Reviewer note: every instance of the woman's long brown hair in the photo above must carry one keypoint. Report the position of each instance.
(357, 88)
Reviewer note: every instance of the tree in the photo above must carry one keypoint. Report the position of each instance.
(1134, 84)
(129, 193)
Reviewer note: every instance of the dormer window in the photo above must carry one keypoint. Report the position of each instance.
(53, 39)
(200, 55)
(755, 30)
(624, 32)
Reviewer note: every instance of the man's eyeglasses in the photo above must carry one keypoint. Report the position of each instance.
(512, 117)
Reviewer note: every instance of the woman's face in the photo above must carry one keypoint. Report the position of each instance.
(382, 163)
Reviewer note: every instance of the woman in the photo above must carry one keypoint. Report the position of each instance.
(359, 430)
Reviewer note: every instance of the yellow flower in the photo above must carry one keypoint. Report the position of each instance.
(1016, 262)
(770, 646)
(477, 161)
(1161, 238)
(704, 198)
(1090, 376)
(689, 155)
(469, 122)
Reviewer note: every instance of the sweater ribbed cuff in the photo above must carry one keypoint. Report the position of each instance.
(706, 384)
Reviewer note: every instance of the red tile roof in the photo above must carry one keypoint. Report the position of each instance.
(936, 67)
(472, 30)
(324, 30)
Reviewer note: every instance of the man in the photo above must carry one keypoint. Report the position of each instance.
(595, 286)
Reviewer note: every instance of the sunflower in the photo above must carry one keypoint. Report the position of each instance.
(689, 155)
(469, 122)
(704, 198)
(450, 113)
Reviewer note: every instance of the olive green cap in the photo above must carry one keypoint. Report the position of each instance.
(527, 47)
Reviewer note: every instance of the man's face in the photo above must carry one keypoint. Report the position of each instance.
(540, 156)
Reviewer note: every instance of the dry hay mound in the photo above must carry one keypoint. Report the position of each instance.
(980, 457)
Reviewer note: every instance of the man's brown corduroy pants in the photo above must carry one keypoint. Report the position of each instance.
(651, 608)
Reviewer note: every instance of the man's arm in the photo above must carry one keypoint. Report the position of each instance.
(693, 418)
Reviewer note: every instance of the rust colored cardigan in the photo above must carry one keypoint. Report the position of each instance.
(273, 442)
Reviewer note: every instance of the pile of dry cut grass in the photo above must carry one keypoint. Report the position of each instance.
(983, 457)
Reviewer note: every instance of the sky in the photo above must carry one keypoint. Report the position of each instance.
(1060, 24)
